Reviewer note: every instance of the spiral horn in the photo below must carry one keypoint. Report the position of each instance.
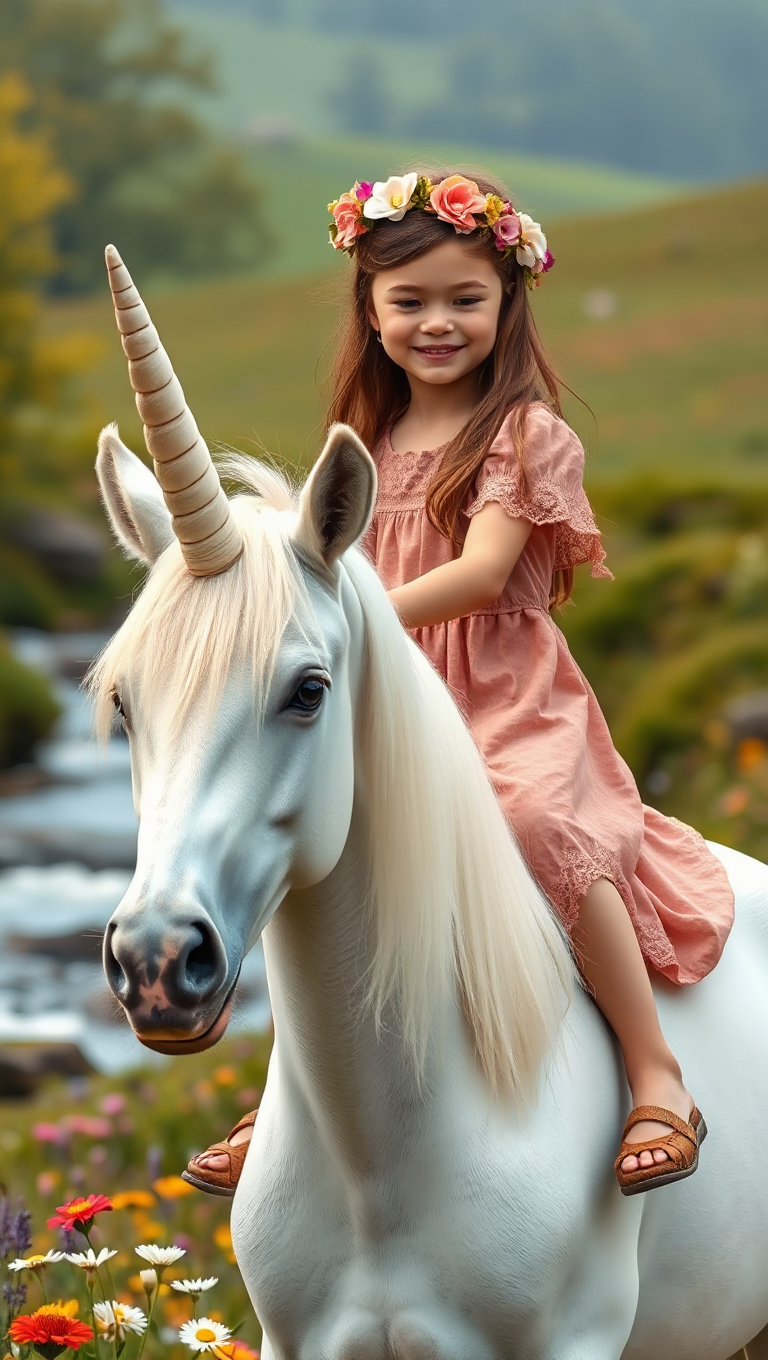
(202, 519)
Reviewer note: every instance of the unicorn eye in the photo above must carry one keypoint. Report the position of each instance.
(118, 703)
(309, 695)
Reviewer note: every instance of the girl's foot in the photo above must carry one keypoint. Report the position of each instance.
(667, 1091)
(217, 1170)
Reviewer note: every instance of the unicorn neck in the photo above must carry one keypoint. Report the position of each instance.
(331, 1061)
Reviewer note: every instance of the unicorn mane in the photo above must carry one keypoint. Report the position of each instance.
(452, 901)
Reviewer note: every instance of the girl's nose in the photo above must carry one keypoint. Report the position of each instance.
(436, 323)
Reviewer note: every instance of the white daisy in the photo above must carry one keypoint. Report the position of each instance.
(201, 1334)
(114, 1319)
(36, 1262)
(88, 1260)
(149, 1281)
(160, 1256)
(194, 1287)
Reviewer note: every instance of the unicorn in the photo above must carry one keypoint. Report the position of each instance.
(430, 1176)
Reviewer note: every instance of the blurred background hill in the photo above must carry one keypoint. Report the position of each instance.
(205, 138)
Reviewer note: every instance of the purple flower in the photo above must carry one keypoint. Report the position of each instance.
(506, 230)
(364, 190)
(547, 262)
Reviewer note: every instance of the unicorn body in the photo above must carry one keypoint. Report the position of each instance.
(430, 1176)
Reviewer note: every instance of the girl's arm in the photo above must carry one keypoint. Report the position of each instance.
(493, 544)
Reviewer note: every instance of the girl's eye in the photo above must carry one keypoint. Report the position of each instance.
(309, 696)
(467, 301)
(408, 304)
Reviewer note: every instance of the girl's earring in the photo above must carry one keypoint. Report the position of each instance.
(378, 337)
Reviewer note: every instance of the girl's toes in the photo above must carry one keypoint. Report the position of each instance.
(646, 1158)
(630, 1164)
(659, 1156)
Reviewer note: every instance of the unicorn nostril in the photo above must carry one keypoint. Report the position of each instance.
(202, 966)
(116, 978)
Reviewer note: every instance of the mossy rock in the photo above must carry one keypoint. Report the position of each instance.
(28, 709)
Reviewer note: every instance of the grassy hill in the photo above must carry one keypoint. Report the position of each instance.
(656, 317)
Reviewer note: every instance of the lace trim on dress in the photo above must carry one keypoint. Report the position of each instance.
(577, 538)
(579, 870)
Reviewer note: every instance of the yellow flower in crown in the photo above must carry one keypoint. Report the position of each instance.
(495, 208)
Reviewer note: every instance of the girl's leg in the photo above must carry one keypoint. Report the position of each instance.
(611, 961)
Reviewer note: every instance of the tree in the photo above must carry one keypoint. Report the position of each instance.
(113, 86)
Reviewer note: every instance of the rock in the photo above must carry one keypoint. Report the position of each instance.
(23, 1066)
(747, 715)
(69, 547)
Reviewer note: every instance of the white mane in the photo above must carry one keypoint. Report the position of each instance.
(451, 896)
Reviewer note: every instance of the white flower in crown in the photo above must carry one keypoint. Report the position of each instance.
(532, 245)
(390, 198)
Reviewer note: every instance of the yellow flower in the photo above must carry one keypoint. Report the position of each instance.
(225, 1076)
(133, 1199)
(223, 1239)
(69, 1308)
(172, 1187)
(494, 208)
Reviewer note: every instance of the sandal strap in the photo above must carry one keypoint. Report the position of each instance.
(659, 1115)
(247, 1121)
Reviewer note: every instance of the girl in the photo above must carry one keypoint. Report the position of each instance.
(480, 520)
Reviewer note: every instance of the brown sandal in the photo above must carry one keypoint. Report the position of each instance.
(681, 1146)
(215, 1182)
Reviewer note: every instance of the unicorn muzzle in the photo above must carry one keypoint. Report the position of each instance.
(173, 981)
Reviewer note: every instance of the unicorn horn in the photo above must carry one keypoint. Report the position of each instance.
(202, 518)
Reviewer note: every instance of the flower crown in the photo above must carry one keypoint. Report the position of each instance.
(456, 200)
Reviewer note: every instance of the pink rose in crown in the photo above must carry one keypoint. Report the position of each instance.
(506, 230)
(363, 190)
(455, 200)
(348, 216)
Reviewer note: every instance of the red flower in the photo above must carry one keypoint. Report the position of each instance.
(50, 1332)
(79, 1212)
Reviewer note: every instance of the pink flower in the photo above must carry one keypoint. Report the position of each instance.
(348, 216)
(112, 1103)
(547, 262)
(507, 230)
(363, 190)
(455, 200)
(79, 1213)
(48, 1133)
(92, 1125)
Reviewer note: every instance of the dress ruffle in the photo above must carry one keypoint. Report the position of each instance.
(577, 537)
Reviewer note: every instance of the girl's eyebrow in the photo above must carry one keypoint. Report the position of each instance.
(416, 288)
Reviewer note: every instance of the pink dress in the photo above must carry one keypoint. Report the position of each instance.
(566, 792)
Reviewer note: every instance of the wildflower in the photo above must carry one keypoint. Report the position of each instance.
(48, 1133)
(46, 1182)
(203, 1334)
(51, 1330)
(133, 1199)
(89, 1261)
(235, 1350)
(160, 1256)
(92, 1126)
(148, 1281)
(194, 1287)
(114, 1319)
(222, 1236)
(112, 1103)
(79, 1213)
(36, 1262)
(172, 1187)
(227, 1076)
(15, 1229)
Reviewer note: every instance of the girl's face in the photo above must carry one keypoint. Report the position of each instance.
(439, 314)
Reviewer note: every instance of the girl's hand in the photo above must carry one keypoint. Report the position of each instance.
(476, 579)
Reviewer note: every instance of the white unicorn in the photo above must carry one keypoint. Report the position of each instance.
(431, 1173)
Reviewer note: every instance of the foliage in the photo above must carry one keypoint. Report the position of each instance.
(129, 1138)
(678, 636)
(28, 709)
(667, 86)
(141, 167)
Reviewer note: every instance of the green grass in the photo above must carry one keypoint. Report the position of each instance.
(678, 376)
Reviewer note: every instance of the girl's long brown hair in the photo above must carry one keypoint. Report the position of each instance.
(370, 392)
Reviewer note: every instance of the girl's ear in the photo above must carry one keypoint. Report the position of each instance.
(337, 499)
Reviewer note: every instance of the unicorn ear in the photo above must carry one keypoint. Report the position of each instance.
(337, 498)
(133, 500)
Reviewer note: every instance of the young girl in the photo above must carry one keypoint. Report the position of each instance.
(480, 519)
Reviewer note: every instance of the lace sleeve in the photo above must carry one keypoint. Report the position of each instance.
(544, 488)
